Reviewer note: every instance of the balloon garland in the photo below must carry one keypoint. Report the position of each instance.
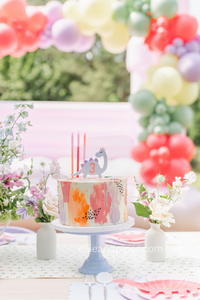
(172, 84)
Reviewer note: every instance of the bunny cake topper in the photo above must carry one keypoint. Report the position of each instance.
(92, 167)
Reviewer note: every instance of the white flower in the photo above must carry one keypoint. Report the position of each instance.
(5, 202)
(5, 168)
(55, 169)
(22, 156)
(177, 183)
(161, 178)
(183, 191)
(160, 211)
(50, 204)
(190, 177)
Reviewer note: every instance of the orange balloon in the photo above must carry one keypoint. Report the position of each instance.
(36, 19)
(13, 9)
(31, 41)
(8, 39)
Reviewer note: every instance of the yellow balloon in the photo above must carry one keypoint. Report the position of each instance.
(169, 60)
(150, 71)
(95, 12)
(107, 29)
(117, 41)
(167, 82)
(85, 28)
(70, 10)
(188, 94)
(147, 86)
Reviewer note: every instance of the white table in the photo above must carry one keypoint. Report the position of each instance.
(178, 244)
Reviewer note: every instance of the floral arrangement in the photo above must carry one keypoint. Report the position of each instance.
(13, 185)
(154, 206)
(42, 204)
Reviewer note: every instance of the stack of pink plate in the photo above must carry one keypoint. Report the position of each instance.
(132, 238)
(160, 287)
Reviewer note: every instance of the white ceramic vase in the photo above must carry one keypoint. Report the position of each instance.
(46, 242)
(155, 244)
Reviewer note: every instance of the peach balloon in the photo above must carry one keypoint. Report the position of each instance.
(31, 41)
(36, 19)
(8, 39)
(13, 9)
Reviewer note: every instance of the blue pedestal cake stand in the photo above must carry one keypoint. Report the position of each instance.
(95, 263)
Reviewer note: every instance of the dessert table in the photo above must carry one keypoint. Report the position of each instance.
(51, 279)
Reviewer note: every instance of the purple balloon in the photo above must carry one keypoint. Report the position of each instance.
(192, 46)
(170, 49)
(66, 35)
(177, 42)
(45, 43)
(85, 43)
(53, 11)
(189, 66)
(180, 51)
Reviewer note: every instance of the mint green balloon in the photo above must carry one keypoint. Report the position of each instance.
(159, 129)
(159, 120)
(143, 136)
(161, 108)
(171, 109)
(166, 118)
(139, 24)
(143, 102)
(120, 12)
(150, 128)
(143, 121)
(163, 8)
(175, 127)
(184, 115)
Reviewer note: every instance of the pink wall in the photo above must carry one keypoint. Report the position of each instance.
(110, 125)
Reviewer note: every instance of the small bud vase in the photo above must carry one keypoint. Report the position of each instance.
(46, 242)
(155, 244)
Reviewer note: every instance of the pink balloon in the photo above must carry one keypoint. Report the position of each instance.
(8, 39)
(85, 43)
(139, 56)
(54, 11)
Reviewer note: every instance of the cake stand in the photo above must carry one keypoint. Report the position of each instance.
(95, 263)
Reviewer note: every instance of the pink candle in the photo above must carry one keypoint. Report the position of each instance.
(78, 148)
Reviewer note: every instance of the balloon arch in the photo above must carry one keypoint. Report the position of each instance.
(163, 49)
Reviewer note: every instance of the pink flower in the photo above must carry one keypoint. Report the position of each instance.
(33, 190)
(146, 219)
(41, 183)
(18, 183)
(38, 196)
(145, 202)
(35, 215)
(9, 184)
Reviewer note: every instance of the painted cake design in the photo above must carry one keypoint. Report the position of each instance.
(92, 201)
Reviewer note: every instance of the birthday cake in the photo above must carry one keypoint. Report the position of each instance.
(92, 201)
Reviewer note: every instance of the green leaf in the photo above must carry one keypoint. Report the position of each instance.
(142, 189)
(141, 210)
(164, 196)
(169, 186)
(37, 220)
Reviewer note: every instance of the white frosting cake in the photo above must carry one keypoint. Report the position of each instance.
(92, 201)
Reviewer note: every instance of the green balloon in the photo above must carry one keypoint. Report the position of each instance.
(139, 24)
(150, 128)
(145, 8)
(171, 109)
(175, 127)
(120, 12)
(184, 115)
(159, 120)
(161, 108)
(129, 2)
(137, 5)
(143, 136)
(159, 129)
(166, 117)
(143, 121)
(143, 102)
(163, 8)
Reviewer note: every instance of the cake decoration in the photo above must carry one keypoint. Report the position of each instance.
(92, 166)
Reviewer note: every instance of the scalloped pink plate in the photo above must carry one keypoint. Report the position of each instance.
(132, 237)
(167, 287)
